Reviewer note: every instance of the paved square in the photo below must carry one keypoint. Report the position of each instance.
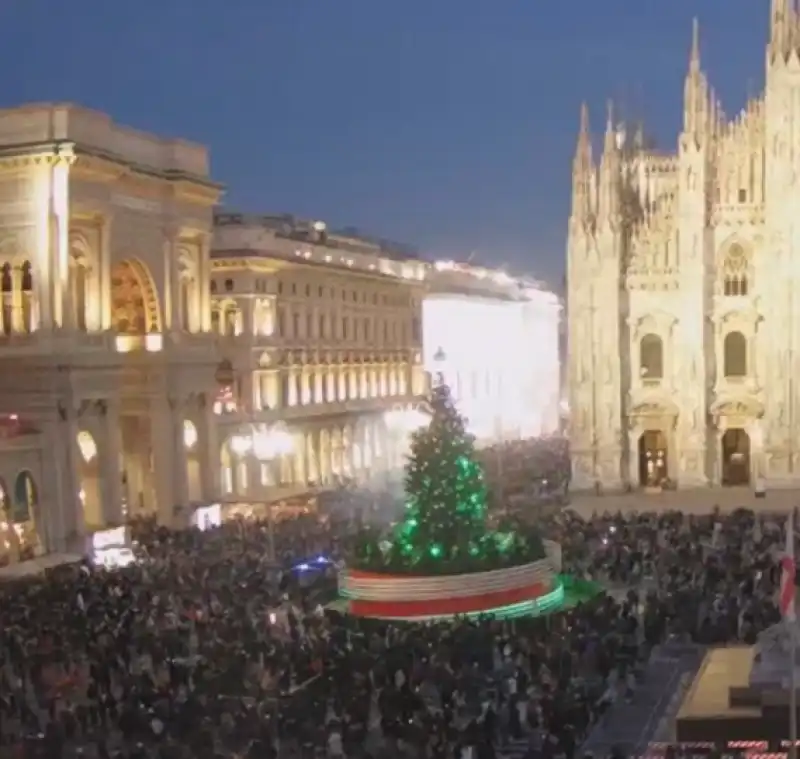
(699, 501)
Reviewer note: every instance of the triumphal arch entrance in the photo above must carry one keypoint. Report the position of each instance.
(105, 340)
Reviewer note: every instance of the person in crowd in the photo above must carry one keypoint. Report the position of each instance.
(206, 648)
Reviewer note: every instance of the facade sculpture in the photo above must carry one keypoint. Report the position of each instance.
(683, 274)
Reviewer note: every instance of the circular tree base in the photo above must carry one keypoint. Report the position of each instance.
(514, 591)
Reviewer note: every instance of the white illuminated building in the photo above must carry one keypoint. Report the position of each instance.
(495, 341)
(683, 269)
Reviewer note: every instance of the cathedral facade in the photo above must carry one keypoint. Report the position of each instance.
(684, 291)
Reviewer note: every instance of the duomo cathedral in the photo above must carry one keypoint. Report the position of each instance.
(684, 290)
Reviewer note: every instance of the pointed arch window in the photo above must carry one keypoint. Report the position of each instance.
(735, 272)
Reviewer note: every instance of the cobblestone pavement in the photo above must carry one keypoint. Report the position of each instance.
(697, 501)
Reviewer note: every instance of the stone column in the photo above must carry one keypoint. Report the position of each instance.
(312, 465)
(172, 281)
(102, 317)
(66, 532)
(169, 456)
(208, 451)
(70, 296)
(162, 444)
(323, 455)
(110, 453)
(181, 459)
(204, 290)
(300, 464)
(17, 326)
(633, 456)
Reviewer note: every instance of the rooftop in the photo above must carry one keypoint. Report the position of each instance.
(314, 243)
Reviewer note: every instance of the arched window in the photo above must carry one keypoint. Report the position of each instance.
(735, 272)
(735, 355)
(651, 357)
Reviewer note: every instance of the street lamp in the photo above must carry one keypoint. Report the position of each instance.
(439, 358)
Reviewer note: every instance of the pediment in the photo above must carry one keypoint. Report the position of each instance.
(657, 321)
(745, 406)
(651, 408)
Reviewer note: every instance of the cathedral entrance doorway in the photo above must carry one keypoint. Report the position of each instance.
(652, 458)
(735, 457)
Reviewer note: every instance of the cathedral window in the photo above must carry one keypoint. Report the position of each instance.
(735, 355)
(651, 357)
(735, 272)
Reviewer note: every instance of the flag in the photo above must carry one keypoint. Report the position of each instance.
(788, 569)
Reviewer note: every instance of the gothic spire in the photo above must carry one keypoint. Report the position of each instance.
(694, 56)
(608, 186)
(781, 24)
(583, 152)
(610, 141)
(583, 171)
(695, 91)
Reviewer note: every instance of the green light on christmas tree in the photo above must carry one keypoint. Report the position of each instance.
(444, 529)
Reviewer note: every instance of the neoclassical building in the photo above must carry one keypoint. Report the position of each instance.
(108, 358)
(326, 363)
(683, 278)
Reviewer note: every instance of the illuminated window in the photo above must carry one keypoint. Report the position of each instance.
(735, 355)
(651, 357)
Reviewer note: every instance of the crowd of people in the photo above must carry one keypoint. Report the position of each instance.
(536, 469)
(207, 648)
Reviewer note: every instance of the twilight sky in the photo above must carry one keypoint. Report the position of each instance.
(446, 124)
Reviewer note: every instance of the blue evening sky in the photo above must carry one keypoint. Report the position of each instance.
(446, 124)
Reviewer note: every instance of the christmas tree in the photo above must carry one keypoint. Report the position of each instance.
(445, 517)
(444, 530)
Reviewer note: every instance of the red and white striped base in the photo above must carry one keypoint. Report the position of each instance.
(402, 597)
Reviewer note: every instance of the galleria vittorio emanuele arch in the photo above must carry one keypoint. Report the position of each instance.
(108, 362)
